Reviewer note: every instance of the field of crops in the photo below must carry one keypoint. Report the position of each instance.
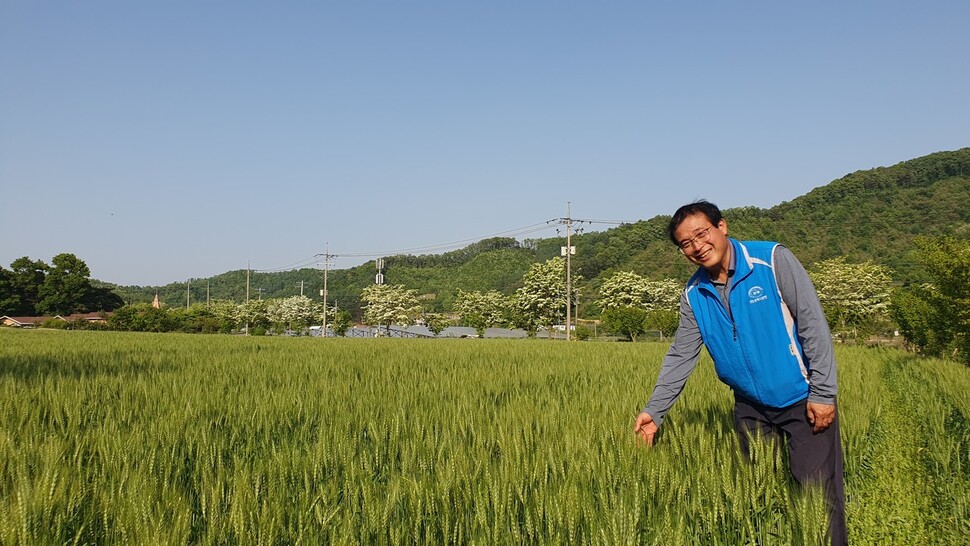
(175, 439)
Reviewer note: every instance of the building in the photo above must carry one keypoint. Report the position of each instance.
(23, 322)
(34, 322)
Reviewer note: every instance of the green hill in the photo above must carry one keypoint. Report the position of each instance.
(866, 215)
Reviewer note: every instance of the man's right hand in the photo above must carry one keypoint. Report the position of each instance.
(646, 428)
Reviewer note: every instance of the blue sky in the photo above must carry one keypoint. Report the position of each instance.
(162, 141)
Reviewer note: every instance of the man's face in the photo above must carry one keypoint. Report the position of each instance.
(703, 243)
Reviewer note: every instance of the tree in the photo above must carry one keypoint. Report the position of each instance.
(26, 278)
(254, 315)
(102, 298)
(627, 321)
(627, 289)
(385, 305)
(664, 321)
(662, 302)
(662, 295)
(947, 260)
(66, 287)
(124, 319)
(475, 321)
(227, 313)
(436, 322)
(295, 312)
(659, 301)
(482, 310)
(150, 319)
(142, 317)
(855, 297)
(33, 287)
(541, 301)
(342, 321)
(196, 319)
(623, 289)
(9, 298)
(915, 310)
(935, 316)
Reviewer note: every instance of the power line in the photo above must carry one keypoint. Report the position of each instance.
(612, 222)
(296, 265)
(454, 244)
(316, 258)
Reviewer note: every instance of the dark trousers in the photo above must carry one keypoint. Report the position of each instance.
(814, 458)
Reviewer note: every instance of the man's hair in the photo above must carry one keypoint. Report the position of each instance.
(703, 207)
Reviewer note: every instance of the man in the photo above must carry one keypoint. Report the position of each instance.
(753, 306)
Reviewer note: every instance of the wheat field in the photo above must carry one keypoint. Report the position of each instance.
(111, 437)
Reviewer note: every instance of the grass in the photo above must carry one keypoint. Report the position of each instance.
(171, 439)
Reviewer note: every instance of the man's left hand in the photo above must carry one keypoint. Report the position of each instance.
(821, 415)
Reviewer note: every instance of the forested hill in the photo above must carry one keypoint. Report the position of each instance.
(866, 215)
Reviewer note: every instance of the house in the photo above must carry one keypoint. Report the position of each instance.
(34, 322)
(23, 322)
(97, 316)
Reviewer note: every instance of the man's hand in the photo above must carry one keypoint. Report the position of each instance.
(646, 428)
(820, 415)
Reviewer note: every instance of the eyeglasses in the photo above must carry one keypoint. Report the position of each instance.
(702, 237)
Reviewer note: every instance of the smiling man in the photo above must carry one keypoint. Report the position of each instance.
(753, 306)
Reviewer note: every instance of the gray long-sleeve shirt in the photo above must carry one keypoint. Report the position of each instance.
(799, 295)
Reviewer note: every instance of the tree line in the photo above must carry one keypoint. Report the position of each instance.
(63, 287)
(860, 300)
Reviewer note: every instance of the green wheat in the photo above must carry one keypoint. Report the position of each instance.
(176, 439)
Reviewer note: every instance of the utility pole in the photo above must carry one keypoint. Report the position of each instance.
(301, 289)
(569, 253)
(207, 293)
(247, 297)
(188, 288)
(260, 290)
(324, 293)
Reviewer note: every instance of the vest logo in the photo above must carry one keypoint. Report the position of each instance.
(756, 293)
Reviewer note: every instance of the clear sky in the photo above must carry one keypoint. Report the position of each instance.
(162, 141)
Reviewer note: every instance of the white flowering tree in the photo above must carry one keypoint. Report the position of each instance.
(627, 289)
(296, 312)
(662, 302)
(663, 295)
(227, 312)
(633, 304)
(254, 314)
(541, 301)
(482, 310)
(385, 305)
(854, 296)
(622, 289)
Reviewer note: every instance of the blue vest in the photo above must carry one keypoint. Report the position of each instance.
(756, 352)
